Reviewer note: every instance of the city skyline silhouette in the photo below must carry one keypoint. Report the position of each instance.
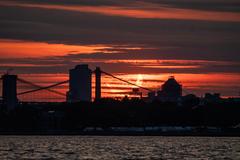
(142, 41)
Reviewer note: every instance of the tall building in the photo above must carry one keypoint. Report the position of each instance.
(80, 84)
(9, 91)
(171, 90)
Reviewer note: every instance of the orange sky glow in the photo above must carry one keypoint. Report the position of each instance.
(193, 83)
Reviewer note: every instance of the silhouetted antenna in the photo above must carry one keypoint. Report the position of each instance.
(8, 70)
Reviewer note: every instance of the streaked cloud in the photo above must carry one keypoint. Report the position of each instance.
(19, 49)
(156, 12)
(118, 64)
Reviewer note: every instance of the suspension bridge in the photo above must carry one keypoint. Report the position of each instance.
(29, 91)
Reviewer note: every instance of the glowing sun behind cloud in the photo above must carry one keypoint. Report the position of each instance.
(139, 80)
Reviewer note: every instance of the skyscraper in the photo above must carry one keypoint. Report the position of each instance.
(80, 84)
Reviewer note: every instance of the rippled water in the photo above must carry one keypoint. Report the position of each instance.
(107, 147)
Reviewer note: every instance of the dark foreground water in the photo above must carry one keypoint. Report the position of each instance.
(107, 147)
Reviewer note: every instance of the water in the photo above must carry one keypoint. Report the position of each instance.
(107, 147)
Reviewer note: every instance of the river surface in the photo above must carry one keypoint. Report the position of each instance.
(115, 147)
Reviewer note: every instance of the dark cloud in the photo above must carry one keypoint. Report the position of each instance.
(175, 39)
(79, 2)
(214, 5)
(158, 38)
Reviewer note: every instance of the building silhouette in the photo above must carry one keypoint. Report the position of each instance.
(9, 91)
(80, 84)
(171, 90)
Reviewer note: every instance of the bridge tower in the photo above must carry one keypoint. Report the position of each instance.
(9, 91)
(80, 84)
(97, 83)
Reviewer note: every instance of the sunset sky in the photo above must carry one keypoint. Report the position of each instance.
(144, 41)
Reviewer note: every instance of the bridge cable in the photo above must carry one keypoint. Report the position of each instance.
(38, 86)
(126, 81)
(45, 88)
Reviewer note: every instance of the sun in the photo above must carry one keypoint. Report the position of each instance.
(139, 80)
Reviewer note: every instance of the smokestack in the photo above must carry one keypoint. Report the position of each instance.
(98, 83)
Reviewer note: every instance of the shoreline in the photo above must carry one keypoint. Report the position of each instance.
(80, 133)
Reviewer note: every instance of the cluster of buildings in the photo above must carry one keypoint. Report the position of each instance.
(80, 88)
(171, 91)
